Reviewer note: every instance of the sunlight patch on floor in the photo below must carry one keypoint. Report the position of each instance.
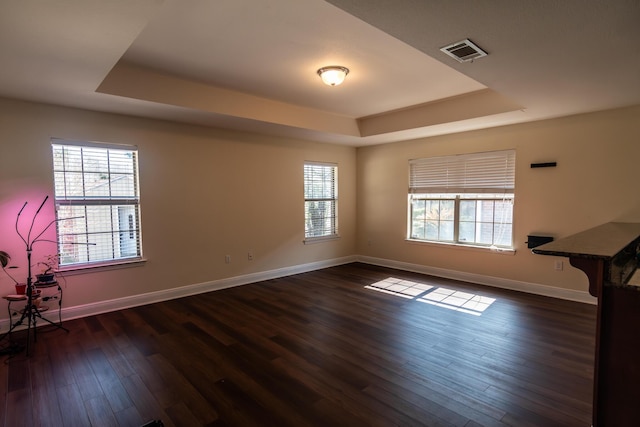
(464, 302)
(399, 287)
(456, 300)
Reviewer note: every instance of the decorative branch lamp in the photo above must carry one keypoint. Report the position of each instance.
(31, 313)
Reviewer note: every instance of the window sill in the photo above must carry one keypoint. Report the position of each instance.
(91, 268)
(312, 240)
(496, 250)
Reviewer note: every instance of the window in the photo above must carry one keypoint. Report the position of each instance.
(97, 202)
(465, 199)
(320, 200)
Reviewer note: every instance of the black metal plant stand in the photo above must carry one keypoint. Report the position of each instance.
(31, 312)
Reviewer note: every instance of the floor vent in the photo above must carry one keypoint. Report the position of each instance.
(464, 51)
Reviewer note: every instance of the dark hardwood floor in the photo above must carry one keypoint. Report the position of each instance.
(314, 349)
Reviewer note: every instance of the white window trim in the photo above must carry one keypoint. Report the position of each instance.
(81, 268)
(463, 246)
(320, 239)
(335, 232)
(103, 264)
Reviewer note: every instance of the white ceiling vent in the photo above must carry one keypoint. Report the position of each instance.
(464, 51)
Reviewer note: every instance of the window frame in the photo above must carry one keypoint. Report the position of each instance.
(330, 232)
(457, 220)
(474, 177)
(124, 201)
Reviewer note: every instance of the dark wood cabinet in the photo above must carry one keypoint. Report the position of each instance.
(619, 363)
(608, 255)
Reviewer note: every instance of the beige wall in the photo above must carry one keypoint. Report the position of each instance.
(205, 193)
(596, 181)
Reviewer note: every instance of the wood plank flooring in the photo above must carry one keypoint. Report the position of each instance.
(313, 349)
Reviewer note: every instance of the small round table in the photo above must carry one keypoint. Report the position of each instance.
(10, 299)
(36, 303)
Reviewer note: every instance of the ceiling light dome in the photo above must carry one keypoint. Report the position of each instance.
(333, 75)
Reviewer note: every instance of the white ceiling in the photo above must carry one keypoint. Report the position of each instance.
(251, 64)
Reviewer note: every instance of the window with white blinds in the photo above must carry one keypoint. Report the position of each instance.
(97, 199)
(489, 172)
(464, 199)
(320, 200)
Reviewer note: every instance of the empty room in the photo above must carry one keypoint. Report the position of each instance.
(319, 213)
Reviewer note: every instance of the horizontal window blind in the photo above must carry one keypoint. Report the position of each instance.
(97, 202)
(488, 172)
(320, 199)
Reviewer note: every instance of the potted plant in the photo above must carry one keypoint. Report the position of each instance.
(4, 261)
(47, 274)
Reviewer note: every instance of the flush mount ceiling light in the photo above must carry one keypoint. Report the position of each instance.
(333, 75)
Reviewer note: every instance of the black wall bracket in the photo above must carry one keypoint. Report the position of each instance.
(544, 165)
(535, 241)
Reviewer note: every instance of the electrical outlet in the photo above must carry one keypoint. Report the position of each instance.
(227, 259)
(558, 265)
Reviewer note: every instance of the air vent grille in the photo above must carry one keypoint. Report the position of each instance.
(464, 51)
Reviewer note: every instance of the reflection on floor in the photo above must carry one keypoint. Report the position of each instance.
(442, 297)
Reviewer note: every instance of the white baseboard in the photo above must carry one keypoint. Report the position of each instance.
(86, 310)
(497, 282)
(75, 312)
